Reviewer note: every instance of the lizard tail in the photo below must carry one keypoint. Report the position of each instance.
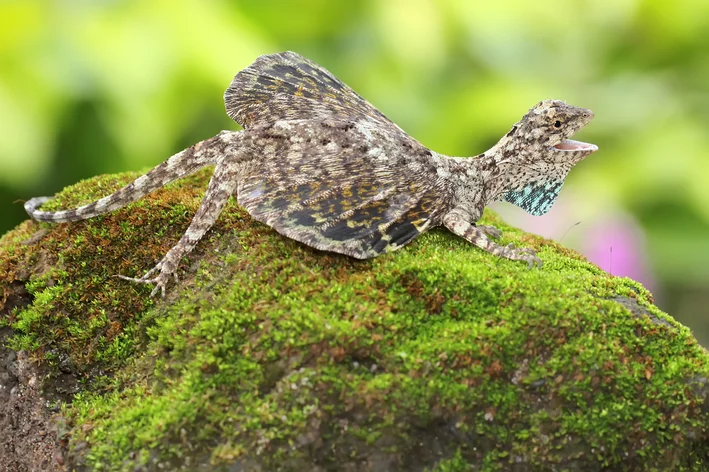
(180, 165)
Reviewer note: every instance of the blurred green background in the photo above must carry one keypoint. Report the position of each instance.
(90, 87)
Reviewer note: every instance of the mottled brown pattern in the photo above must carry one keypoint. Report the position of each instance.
(322, 166)
(331, 196)
(287, 86)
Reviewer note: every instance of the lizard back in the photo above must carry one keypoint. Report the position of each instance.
(333, 171)
(328, 185)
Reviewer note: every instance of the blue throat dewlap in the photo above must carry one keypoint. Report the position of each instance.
(536, 198)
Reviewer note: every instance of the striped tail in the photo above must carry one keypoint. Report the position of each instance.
(180, 165)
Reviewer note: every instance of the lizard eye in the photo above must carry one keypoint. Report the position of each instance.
(557, 124)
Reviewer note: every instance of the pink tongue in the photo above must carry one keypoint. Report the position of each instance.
(570, 145)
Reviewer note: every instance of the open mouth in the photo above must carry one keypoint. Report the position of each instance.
(571, 145)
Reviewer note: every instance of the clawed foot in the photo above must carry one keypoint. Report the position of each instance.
(521, 254)
(160, 280)
(490, 231)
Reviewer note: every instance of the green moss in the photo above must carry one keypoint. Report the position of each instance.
(436, 356)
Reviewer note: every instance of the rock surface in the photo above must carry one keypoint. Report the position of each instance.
(28, 427)
(271, 356)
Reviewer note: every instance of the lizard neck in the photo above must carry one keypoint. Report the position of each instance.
(502, 168)
(499, 171)
(475, 170)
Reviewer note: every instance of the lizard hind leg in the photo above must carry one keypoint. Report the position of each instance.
(221, 186)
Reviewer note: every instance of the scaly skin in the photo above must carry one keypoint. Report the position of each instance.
(320, 165)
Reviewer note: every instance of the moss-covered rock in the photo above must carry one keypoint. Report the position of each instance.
(269, 355)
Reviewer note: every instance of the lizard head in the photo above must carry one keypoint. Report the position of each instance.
(545, 132)
(534, 158)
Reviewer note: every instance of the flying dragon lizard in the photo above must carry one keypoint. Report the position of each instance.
(319, 164)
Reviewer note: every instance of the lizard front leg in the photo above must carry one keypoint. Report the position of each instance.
(458, 222)
(221, 186)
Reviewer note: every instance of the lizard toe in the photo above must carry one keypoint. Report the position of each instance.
(160, 280)
(521, 254)
(491, 231)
